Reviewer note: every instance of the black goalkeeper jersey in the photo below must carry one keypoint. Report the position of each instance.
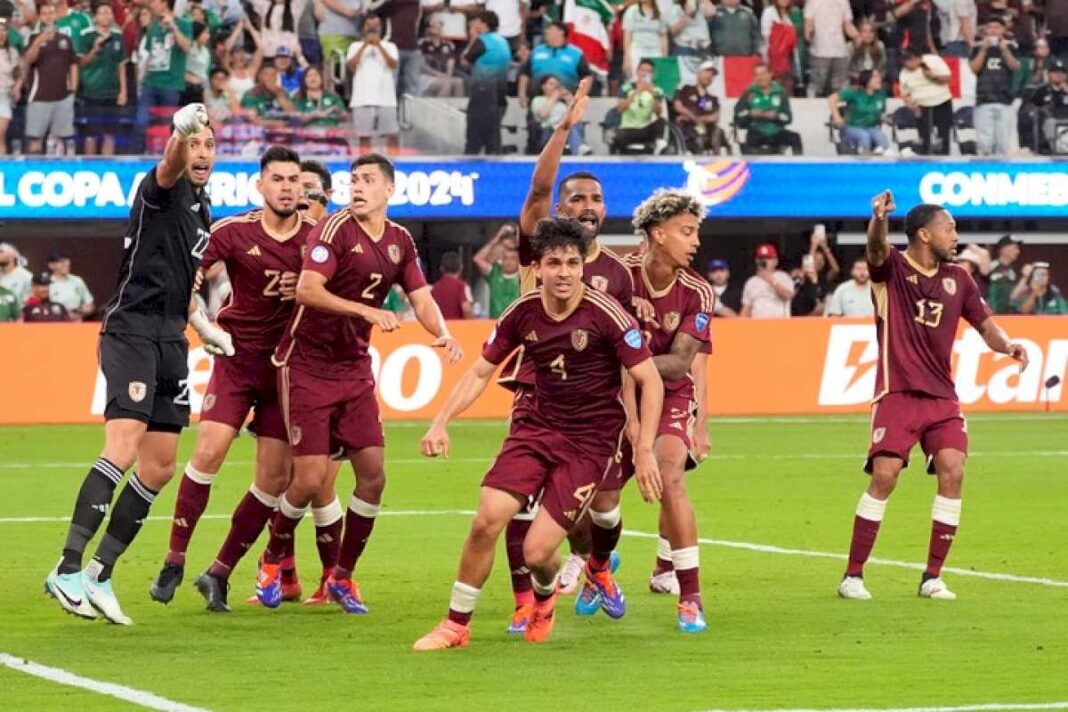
(168, 232)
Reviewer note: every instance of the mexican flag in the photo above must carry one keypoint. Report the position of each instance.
(587, 25)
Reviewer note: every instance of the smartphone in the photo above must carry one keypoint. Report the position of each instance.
(820, 229)
(808, 262)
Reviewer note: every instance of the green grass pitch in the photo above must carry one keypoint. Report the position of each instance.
(778, 638)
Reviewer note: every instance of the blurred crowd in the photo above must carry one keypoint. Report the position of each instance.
(103, 76)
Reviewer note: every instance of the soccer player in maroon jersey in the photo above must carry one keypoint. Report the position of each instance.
(682, 302)
(920, 295)
(317, 187)
(578, 339)
(261, 253)
(353, 259)
(580, 197)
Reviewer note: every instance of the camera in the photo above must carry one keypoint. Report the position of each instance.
(762, 264)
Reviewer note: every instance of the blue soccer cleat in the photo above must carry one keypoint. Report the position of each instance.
(269, 585)
(588, 602)
(614, 561)
(347, 594)
(67, 589)
(613, 601)
(691, 618)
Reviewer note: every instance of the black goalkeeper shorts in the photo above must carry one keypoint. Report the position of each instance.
(147, 380)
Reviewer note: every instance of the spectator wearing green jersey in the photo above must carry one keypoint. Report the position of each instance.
(318, 107)
(864, 107)
(164, 44)
(764, 109)
(10, 310)
(267, 101)
(498, 261)
(102, 89)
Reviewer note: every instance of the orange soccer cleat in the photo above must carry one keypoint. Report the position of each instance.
(446, 635)
(541, 622)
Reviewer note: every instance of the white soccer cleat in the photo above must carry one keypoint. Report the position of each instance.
(102, 596)
(852, 587)
(664, 582)
(571, 574)
(936, 588)
(68, 591)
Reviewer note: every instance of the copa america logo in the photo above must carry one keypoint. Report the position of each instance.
(716, 181)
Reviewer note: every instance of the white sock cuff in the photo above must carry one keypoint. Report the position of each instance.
(201, 478)
(527, 515)
(142, 491)
(544, 589)
(265, 499)
(363, 509)
(464, 597)
(325, 516)
(870, 508)
(946, 510)
(289, 511)
(688, 558)
(663, 549)
(606, 520)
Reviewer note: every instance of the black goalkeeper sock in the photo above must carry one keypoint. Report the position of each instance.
(129, 514)
(94, 497)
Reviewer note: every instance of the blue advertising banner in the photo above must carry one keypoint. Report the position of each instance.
(92, 189)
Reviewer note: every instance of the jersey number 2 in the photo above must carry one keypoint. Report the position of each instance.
(369, 293)
(929, 312)
(274, 276)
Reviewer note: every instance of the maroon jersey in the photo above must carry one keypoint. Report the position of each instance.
(576, 361)
(916, 314)
(683, 306)
(361, 269)
(451, 293)
(39, 312)
(255, 314)
(603, 271)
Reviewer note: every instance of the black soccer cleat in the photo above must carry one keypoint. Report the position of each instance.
(166, 583)
(214, 590)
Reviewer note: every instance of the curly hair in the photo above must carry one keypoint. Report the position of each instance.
(558, 233)
(663, 205)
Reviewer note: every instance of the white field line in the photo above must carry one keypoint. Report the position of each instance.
(126, 694)
(858, 456)
(744, 545)
(987, 707)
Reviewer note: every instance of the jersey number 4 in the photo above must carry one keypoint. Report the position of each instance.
(559, 367)
(929, 312)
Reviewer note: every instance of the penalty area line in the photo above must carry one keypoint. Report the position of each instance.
(984, 707)
(140, 698)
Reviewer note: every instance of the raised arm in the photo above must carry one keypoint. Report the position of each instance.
(539, 199)
(188, 120)
(878, 248)
(428, 313)
(466, 391)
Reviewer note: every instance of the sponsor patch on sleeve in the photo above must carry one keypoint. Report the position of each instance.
(701, 321)
(633, 339)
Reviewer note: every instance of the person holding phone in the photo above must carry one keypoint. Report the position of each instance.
(995, 63)
(1041, 297)
(768, 293)
(924, 85)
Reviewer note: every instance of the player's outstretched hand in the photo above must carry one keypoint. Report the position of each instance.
(453, 352)
(578, 104)
(435, 442)
(882, 205)
(190, 119)
(1019, 353)
(645, 311)
(383, 319)
(287, 285)
(647, 473)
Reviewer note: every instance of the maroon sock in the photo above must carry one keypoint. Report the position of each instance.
(460, 618)
(190, 505)
(663, 556)
(663, 566)
(689, 585)
(328, 541)
(864, 533)
(941, 539)
(604, 543)
(282, 530)
(357, 531)
(248, 521)
(514, 535)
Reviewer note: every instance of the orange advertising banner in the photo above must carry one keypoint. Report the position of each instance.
(48, 372)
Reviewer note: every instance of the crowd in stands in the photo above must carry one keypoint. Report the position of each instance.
(100, 76)
(816, 283)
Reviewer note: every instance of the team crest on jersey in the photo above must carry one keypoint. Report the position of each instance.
(394, 254)
(137, 391)
(671, 320)
(950, 285)
(209, 402)
(294, 435)
(599, 283)
(877, 435)
(580, 339)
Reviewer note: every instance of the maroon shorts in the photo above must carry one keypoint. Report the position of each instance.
(240, 384)
(325, 414)
(900, 420)
(535, 461)
(677, 419)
